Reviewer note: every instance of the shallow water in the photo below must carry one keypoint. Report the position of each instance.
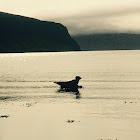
(107, 107)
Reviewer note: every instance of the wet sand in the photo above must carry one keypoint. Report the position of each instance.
(34, 120)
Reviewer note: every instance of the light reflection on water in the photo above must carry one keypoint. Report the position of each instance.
(110, 80)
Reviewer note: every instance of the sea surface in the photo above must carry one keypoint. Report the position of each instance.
(107, 107)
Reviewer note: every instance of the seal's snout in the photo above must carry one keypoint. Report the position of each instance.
(78, 77)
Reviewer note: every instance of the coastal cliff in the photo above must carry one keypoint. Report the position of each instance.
(24, 34)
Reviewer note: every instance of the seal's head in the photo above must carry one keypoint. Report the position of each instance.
(78, 77)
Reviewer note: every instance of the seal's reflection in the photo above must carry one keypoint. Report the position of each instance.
(74, 91)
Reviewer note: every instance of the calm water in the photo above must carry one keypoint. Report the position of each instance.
(107, 107)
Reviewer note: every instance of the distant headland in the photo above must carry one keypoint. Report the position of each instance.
(23, 34)
(108, 41)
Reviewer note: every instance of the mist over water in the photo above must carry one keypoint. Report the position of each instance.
(110, 97)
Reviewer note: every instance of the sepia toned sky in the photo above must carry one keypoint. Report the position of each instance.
(81, 16)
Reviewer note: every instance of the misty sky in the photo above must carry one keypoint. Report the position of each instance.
(81, 16)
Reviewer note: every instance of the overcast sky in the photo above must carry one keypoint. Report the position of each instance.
(81, 16)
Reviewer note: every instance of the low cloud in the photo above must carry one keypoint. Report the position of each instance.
(102, 21)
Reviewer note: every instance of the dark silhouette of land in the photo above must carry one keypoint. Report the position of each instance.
(116, 41)
(24, 34)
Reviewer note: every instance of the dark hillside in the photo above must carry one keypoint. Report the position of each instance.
(23, 34)
(109, 41)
